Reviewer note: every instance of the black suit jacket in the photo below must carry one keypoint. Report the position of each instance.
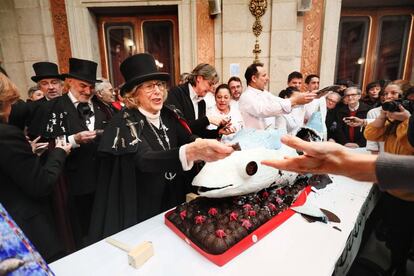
(81, 164)
(179, 98)
(37, 115)
(25, 183)
(19, 114)
(342, 131)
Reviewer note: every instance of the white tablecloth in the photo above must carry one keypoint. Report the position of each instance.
(294, 248)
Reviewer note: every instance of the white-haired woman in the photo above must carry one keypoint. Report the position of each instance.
(148, 152)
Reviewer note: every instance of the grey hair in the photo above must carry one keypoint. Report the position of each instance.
(333, 93)
(100, 86)
(205, 70)
(31, 90)
(353, 88)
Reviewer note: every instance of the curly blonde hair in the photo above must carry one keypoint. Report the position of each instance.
(8, 94)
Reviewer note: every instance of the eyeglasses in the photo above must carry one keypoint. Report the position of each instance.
(150, 87)
(351, 95)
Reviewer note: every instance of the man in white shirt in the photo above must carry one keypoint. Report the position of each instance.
(236, 89)
(256, 104)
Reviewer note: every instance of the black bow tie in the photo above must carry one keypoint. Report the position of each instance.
(84, 111)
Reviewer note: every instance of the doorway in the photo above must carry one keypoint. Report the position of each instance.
(125, 33)
(375, 44)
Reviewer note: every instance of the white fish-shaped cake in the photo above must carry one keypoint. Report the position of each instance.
(242, 173)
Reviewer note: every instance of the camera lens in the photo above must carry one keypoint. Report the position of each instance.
(390, 106)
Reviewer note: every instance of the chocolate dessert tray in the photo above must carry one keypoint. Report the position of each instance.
(220, 229)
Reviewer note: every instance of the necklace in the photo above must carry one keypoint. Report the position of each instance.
(168, 175)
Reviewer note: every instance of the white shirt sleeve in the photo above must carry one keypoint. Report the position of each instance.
(71, 140)
(266, 105)
(183, 159)
(371, 116)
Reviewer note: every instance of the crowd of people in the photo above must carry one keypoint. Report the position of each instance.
(98, 159)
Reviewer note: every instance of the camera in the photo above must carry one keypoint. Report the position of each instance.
(393, 106)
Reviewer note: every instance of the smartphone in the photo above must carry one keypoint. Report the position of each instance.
(349, 119)
(61, 139)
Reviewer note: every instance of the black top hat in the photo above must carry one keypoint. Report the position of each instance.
(138, 69)
(82, 69)
(46, 70)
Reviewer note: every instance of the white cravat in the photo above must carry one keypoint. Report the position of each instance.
(152, 118)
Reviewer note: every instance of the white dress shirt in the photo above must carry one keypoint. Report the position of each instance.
(194, 99)
(210, 100)
(371, 116)
(233, 114)
(90, 124)
(257, 105)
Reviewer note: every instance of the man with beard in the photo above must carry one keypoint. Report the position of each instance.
(79, 120)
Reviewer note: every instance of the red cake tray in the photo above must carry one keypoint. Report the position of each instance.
(249, 240)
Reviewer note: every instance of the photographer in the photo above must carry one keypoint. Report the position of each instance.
(409, 96)
(391, 128)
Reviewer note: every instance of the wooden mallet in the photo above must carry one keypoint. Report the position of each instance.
(138, 255)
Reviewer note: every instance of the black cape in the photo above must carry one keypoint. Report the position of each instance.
(132, 183)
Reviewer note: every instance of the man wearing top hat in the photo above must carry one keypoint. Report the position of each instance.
(79, 120)
(50, 82)
(48, 79)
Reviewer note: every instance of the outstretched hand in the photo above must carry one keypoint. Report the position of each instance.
(85, 136)
(207, 150)
(325, 157)
(318, 157)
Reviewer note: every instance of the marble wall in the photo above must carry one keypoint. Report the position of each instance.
(26, 37)
(289, 41)
(280, 41)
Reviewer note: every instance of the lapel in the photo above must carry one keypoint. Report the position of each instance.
(188, 104)
(75, 124)
(99, 116)
(201, 108)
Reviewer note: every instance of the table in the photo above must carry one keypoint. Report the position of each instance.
(294, 248)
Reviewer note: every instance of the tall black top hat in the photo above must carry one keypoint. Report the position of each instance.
(46, 70)
(82, 69)
(138, 69)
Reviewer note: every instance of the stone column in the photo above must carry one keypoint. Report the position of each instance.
(205, 34)
(26, 37)
(312, 36)
(285, 43)
(60, 26)
(332, 15)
